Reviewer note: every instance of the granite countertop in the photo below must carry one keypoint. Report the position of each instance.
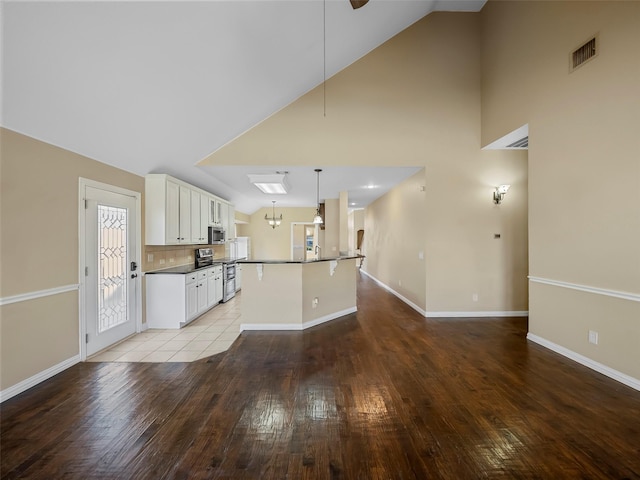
(190, 268)
(346, 256)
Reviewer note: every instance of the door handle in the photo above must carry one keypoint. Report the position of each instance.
(134, 275)
(134, 266)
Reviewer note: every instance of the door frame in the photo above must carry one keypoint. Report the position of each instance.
(315, 236)
(82, 184)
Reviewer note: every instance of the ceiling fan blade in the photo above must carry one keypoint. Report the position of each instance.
(358, 3)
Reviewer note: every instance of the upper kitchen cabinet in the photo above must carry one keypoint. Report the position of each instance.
(178, 213)
(231, 222)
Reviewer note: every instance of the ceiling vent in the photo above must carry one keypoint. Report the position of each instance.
(522, 143)
(583, 54)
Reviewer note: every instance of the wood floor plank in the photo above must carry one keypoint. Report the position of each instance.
(380, 394)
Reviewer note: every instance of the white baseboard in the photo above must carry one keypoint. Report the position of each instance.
(481, 314)
(391, 290)
(502, 313)
(37, 378)
(587, 362)
(297, 327)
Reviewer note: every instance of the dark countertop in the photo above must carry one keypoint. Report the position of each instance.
(190, 268)
(324, 259)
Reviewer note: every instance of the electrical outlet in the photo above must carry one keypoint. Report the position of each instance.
(399, 283)
(474, 297)
(172, 260)
(314, 302)
(150, 257)
(593, 337)
(161, 261)
(421, 255)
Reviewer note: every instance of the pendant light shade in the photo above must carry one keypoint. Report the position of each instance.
(318, 218)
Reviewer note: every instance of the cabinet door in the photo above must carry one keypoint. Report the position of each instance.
(219, 287)
(211, 290)
(172, 214)
(204, 218)
(231, 223)
(202, 295)
(197, 227)
(192, 300)
(238, 277)
(185, 215)
(213, 211)
(224, 214)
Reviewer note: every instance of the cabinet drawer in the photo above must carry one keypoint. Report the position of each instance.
(191, 278)
(202, 274)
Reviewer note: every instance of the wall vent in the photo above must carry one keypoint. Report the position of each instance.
(583, 54)
(522, 143)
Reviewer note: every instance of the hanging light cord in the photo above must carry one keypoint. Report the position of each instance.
(324, 58)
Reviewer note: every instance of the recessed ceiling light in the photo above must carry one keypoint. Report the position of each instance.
(371, 186)
(272, 184)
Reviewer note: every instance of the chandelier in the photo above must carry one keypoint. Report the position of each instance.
(273, 220)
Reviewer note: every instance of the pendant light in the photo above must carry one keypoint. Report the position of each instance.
(273, 220)
(318, 218)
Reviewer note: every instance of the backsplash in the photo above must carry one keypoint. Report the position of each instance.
(173, 255)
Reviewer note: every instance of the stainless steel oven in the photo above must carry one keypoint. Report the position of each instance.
(228, 281)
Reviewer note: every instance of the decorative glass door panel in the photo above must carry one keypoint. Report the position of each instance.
(112, 268)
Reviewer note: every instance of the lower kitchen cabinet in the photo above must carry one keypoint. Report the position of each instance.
(174, 300)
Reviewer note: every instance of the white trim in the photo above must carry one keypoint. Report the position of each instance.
(83, 183)
(23, 297)
(587, 362)
(481, 314)
(502, 313)
(634, 297)
(300, 326)
(24, 385)
(389, 289)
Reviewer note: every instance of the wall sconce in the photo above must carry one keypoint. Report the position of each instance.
(499, 194)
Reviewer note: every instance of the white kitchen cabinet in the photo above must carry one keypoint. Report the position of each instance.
(167, 211)
(191, 292)
(230, 227)
(204, 216)
(238, 276)
(174, 300)
(199, 227)
(214, 290)
(215, 212)
(179, 213)
(224, 218)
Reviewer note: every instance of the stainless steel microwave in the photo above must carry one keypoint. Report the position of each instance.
(216, 235)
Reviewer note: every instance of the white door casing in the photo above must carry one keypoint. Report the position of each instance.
(110, 285)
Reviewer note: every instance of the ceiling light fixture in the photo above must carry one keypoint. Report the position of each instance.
(499, 193)
(271, 184)
(273, 221)
(318, 218)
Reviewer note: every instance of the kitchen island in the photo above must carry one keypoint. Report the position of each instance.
(297, 294)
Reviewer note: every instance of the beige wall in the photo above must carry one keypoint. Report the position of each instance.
(584, 172)
(39, 209)
(330, 236)
(285, 293)
(274, 243)
(395, 230)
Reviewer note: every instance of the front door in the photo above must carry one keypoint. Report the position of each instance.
(111, 273)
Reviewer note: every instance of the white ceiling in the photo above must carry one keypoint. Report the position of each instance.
(156, 86)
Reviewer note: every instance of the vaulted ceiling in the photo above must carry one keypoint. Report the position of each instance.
(158, 86)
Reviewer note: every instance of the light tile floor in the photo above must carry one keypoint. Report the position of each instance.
(212, 333)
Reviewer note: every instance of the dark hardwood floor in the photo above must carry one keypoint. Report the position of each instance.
(381, 394)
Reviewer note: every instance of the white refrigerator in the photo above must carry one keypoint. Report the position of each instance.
(240, 248)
